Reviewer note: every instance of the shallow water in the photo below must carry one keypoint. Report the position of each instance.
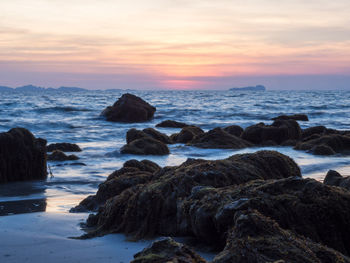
(74, 117)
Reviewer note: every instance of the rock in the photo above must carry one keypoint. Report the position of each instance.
(154, 208)
(58, 155)
(218, 138)
(234, 130)
(129, 108)
(22, 156)
(145, 146)
(256, 238)
(186, 134)
(64, 147)
(326, 144)
(335, 179)
(171, 124)
(131, 174)
(279, 132)
(296, 117)
(134, 134)
(167, 250)
(313, 130)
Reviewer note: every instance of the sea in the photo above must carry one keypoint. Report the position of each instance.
(75, 117)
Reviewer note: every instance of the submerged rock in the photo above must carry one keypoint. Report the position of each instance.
(58, 155)
(171, 124)
(280, 131)
(22, 156)
(64, 147)
(335, 179)
(218, 138)
(296, 117)
(129, 108)
(167, 250)
(145, 146)
(186, 134)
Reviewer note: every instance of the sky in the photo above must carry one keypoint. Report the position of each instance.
(175, 44)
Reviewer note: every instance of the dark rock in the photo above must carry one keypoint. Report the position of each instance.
(218, 138)
(154, 208)
(313, 130)
(64, 147)
(129, 108)
(326, 144)
(186, 134)
(335, 179)
(167, 250)
(58, 155)
(234, 130)
(22, 156)
(172, 124)
(296, 117)
(134, 134)
(256, 238)
(145, 146)
(279, 132)
(131, 174)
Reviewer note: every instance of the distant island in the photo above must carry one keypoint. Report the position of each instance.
(32, 88)
(251, 88)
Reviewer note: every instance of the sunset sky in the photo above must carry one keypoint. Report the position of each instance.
(165, 44)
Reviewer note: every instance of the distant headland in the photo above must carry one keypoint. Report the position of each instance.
(250, 88)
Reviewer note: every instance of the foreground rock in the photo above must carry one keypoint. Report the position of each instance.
(281, 131)
(326, 144)
(167, 250)
(218, 138)
(256, 238)
(63, 147)
(22, 156)
(296, 117)
(129, 108)
(57, 155)
(171, 124)
(186, 134)
(156, 208)
(335, 179)
(131, 174)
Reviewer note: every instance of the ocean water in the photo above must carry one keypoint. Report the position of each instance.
(75, 118)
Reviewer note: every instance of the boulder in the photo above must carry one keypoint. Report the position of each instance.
(277, 133)
(22, 156)
(155, 208)
(296, 117)
(145, 146)
(167, 250)
(63, 147)
(134, 134)
(129, 108)
(326, 144)
(234, 130)
(58, 155)
(218, 138)
(186, 134)
(335, 179)
(257, 238)
(171, 124)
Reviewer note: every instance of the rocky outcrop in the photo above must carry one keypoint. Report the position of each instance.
(234, 130)
(296, 117)
(218, 138)
(186, 134)
(326, 144)
(171, 124)
(63, 147)
(134, 134)
(335, 179)
(22, 156)
(129, 108)
(279, 132)
(58, 155)
(156, 208)
(131, 174)
(167, 250)
(256, 238)
(145, 146)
